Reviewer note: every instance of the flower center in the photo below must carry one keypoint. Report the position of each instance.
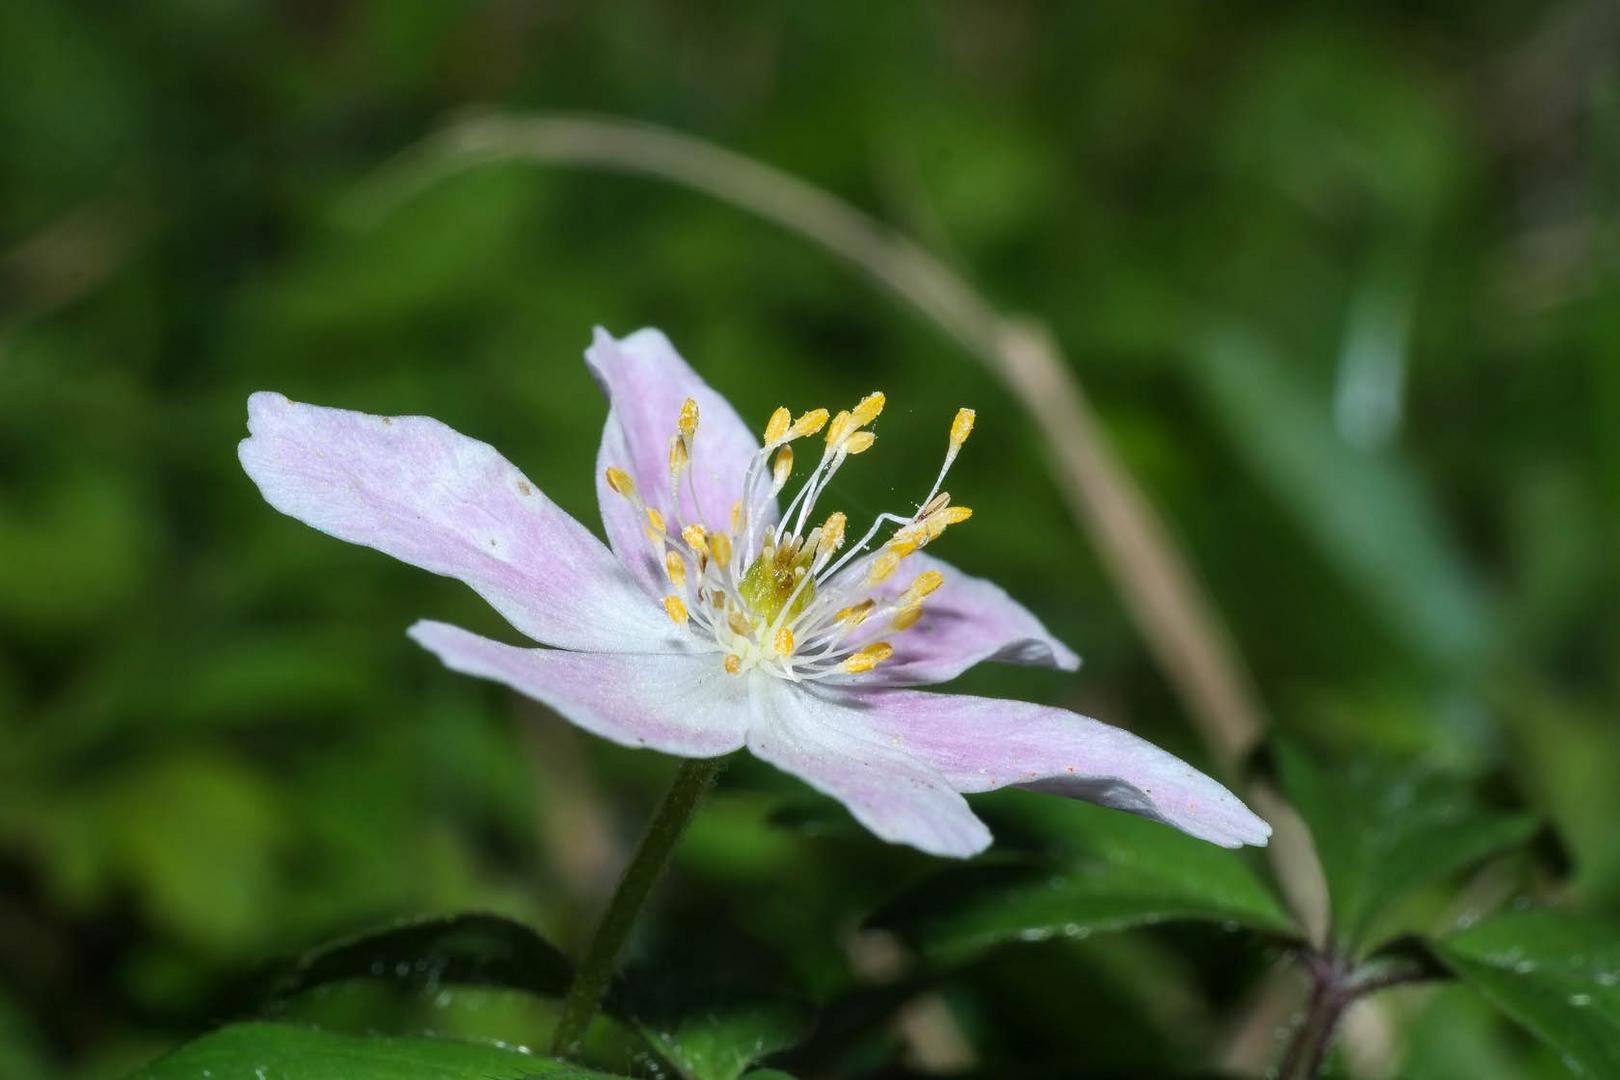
(781, 593)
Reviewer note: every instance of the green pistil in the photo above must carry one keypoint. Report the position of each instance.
(767, 585)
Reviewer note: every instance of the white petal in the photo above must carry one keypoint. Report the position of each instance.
(897, 796)
(685, 705)
(416, 489)
(980, 744)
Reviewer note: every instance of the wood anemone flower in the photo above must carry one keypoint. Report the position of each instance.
(719, 619)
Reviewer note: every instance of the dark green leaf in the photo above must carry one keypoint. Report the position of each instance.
(722, 1041)
(482, 949)
(288, 1052)
(1384, 829)
(1124, 871)
(1556, 974)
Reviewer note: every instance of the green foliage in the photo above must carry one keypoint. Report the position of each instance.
(1340, 282)
(1556, 974)
(290, 1052)
(1383, 830)
(1117, 872)
(719, 1040)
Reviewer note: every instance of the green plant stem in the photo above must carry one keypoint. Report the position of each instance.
(692, 781)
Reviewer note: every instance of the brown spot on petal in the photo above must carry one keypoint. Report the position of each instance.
(388, 421)
(524, 488)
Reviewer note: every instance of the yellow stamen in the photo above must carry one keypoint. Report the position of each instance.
(840, 424)
(954, 515)
(676, 610)
(720, 548)
(869, 408)
(926, 582)
(908, 616)
(858, 442)
(678, 457)
(675, 566)
(620, 482)
(856, 614)
(808, 424)
(784, 642)
(687, 424)
(733, 663)
(778, 425)
(884, 565)
(961, 427)
(736, 514)
(783, 467)
(693, 535)
(832, 533)
(868, 658)
(655, 520)
(904, 544)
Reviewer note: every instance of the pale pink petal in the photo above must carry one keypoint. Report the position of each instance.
(680, 704)
(966, 620)
(979, 744)
(625, 525)
(646, 382)
(415, 489)
(831, 747)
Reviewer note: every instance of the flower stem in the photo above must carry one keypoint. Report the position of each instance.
(692, 781)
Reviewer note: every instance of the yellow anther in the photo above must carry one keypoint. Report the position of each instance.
(869, 408)
(856, 614)
(720, 548)
(655, 520)
(687, 424)
(676, 610)
(931, 526)
(858, 442)
(736, 514)
(868, 658)
(778, 425)
(808, 424)
(739, 624)
(905, 543)
(961, 427)
(926, 582)
(620, 482)
(907, 616)
(882, 567)
(832, 533)
(675, 566)
(839, 425)
(782, 468)
(783, 642)
(695, 539)
(678, 457)
(733, 663)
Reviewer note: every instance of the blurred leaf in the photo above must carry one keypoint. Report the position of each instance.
(1556, 974)
(1384, 829)
(287, 1052)
(1362, 509)
(1125, 871)
(481, 949)
(197, 835)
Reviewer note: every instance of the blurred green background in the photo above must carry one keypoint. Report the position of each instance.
(1341, 281)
